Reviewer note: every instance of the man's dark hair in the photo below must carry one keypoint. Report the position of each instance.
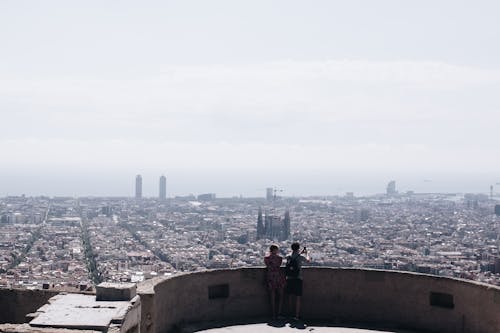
(273, 247)
(295, 246)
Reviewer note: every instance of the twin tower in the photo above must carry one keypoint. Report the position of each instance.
(163, 187)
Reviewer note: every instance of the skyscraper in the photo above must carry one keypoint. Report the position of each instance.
(261, 230)
(286, 227)
(269, 194)
(163, 188)
(138, 187)
(391, 188)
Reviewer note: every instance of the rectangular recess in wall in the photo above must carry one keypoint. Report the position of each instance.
(441, 300)
(218, 291)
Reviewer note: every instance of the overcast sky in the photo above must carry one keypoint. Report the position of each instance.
(315, 97)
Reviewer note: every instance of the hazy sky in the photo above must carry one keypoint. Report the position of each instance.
(316, 97)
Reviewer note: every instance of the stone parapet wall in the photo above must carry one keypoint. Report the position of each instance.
(15, 304)
(405, 300)
(386, 298)
(340, 296)
(208, 297)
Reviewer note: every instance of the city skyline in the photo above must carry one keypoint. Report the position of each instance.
(151, 146)
(77, 242)
(237, 185)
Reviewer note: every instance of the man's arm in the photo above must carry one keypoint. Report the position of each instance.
(305, 257)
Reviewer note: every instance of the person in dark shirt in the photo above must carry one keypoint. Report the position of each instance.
(293, 271)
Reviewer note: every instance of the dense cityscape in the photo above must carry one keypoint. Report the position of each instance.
(68, 243)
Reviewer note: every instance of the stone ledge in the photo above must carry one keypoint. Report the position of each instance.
(108, 291)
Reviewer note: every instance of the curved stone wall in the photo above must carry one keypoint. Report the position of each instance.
(386, 298)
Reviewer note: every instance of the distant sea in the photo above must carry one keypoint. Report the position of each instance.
(231, 183)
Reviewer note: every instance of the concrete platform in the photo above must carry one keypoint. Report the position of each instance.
(293, 327)
(26, 328)
(77, 311)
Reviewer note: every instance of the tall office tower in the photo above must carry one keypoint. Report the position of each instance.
(391, 188)
(286, 227)
(138, 187)
(269, 193)
(497, 210)
(163, 188)
(261, 231)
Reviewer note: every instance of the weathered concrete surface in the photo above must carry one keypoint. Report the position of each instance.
(26, 328)
(75, 311)
(108, 291)
(148, 306)
(15, 304)
(265, 328)
(376, 298)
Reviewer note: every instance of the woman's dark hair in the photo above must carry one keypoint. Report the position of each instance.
(272, 248)
(295, 246)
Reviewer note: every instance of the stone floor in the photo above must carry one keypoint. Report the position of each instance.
(283, 327)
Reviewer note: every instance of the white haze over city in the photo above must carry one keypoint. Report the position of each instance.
(231, 97)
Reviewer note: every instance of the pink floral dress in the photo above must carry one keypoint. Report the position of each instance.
(275, 275)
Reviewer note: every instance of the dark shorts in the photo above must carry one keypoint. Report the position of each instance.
(294, 287)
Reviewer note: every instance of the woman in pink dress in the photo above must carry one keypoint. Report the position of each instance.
(275, 278)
